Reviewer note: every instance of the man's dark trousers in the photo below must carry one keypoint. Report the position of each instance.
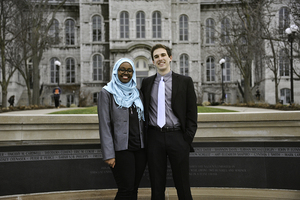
(163, 145)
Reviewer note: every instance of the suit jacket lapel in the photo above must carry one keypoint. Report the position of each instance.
(175, 86)
(149, 89)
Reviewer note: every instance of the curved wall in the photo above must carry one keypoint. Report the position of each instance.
(45, 153)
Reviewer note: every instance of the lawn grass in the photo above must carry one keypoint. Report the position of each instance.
(203, 109)
(87, 110)
(93, 110)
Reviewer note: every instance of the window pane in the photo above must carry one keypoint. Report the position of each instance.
(96, 28)
(70, 32)
(183, 28)
(124, 25)
(97, 68)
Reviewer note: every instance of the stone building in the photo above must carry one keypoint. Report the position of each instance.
(94, 34)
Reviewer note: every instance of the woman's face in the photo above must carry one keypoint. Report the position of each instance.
(125, 72)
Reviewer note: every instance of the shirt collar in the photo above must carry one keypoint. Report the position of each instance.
(166, 77)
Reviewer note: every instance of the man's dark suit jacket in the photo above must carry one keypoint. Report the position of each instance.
(184, 103)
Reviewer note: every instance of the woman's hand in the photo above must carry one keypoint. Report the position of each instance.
(111, 162)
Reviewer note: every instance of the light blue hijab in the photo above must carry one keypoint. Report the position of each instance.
(125, 94)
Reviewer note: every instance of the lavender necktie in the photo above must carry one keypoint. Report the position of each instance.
(161, 114)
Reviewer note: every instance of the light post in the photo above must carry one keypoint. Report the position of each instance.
(57, 64)
(222, 61)
(291, 36)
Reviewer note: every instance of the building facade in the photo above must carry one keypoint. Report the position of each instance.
(94, 34)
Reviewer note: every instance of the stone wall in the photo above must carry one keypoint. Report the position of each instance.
(82, 129)
(52, 153)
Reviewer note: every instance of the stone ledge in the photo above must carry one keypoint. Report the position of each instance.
(145, 193)
(82, 129)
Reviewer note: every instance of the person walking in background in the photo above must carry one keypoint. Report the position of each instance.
(171, 124)
(121, 115)
(56, 94)
(11, 100)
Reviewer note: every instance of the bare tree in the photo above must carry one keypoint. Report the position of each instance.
(294, 6)
(240, 38)
(7, 13)
(41, 16)
(274, 39)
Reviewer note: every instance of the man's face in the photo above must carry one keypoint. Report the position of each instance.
(161, 60)
(125, 72)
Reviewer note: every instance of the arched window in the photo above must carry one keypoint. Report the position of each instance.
(284, 20)
(96, 28)
(54, 31)
(284, 64)
(225, 28)
(210, 69)
(183, 28)
(70, 32)
(226, 70)
(210, 31)
(70, 70)
(184, 64)
(54, 71)
(140, 25)
(124, 25)
(97, 68)
(156, 25)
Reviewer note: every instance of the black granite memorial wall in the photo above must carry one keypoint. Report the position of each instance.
(33, 169)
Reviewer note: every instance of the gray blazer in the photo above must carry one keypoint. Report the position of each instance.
(114, 125)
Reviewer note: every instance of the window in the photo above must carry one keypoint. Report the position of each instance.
(70, 70)
(284, 20)
(210, 31)
(97, 68)
(124, 25)
(70, 99)
(226, 70)
(210, 69)
(211, 97)
(183, 28)
(140, 25)
(141, 69)
(54, 31)
(285, 95)
(284, 65)
(156, 25)
(96, 28)
(54, 71)
(95, 98)
(141, 64)
(225, 27)
(70, 32)
(184, 64)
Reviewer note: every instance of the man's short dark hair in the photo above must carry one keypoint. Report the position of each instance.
(158, 46)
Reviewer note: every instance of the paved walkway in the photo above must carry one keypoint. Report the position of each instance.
(246, 109)
(38, 111)
(47, 111)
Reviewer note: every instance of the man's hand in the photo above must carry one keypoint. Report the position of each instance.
(111, 162)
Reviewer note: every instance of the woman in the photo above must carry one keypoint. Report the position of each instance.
(121, 115)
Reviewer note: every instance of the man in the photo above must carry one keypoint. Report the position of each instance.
(56, 93)
(169, 135)
(11, 100)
